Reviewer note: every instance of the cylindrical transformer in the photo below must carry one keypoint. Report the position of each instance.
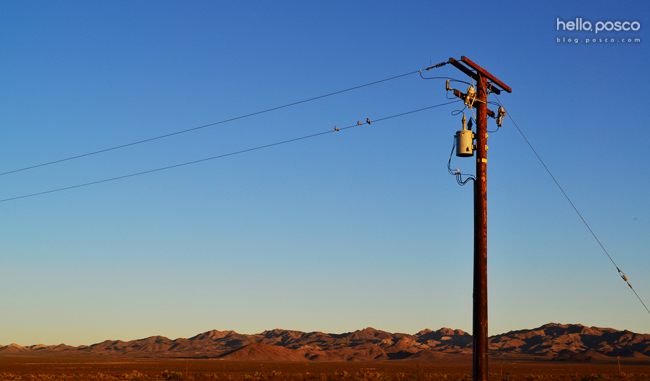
(464, 143)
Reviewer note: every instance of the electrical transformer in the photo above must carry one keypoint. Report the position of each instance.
(464, 141)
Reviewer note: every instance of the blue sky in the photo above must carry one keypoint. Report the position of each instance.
(358, 228)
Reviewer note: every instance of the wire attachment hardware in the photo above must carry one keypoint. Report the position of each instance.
(470, 97)
(441, 64)
(500, 114)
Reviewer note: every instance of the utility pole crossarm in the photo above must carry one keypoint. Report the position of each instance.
(486, 74)
(481, 71)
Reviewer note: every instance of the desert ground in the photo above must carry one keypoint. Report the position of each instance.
(31, 367)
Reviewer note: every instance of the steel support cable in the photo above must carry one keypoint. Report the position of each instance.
(206, 125)
(621, 273)
(218, 156)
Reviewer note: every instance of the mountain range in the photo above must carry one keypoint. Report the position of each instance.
(569, 342)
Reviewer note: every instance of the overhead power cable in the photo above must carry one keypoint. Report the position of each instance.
(223, 155)
(620, 272)
(206, 125)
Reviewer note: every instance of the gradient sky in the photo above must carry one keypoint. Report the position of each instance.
(358, 228)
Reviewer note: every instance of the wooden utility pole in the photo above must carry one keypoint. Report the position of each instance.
(480, 320)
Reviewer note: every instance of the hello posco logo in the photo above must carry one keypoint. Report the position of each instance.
(582, 25)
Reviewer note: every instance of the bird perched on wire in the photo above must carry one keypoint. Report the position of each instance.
(336, 128)
(358, 123)
(368, 120)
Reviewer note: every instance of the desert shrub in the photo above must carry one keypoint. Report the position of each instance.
(203, 377)
(382, 376)
(415, 376)
(211, 377)
(135, 375)
(255, 376)
(631, 375)
(435, 376)
(168, 375)
(98, 376)
(342, 374)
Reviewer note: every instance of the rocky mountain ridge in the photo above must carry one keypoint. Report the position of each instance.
(573, 342)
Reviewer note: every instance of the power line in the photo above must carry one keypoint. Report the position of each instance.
(621, 273)
(220, 156)
(204, 126)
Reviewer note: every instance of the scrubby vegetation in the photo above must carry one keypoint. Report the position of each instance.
(32, 368)
(306, 376)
